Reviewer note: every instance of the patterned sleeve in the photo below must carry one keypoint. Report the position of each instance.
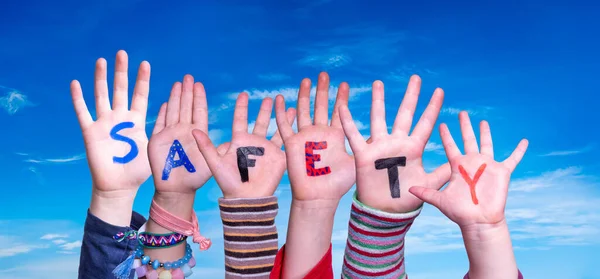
(250, 236)
(375, 245)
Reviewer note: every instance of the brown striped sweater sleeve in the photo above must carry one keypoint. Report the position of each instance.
(250, 236)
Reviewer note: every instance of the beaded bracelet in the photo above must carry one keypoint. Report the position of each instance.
(178, 269)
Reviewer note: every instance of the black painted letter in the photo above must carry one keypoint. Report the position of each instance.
(392, 164)
(244, 162)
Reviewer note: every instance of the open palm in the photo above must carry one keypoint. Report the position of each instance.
(478, 187)
(389, 163)
(116, 142)
(177, 164)
(318, 164)
(229, 163)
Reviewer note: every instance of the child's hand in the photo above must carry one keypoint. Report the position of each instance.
(116, 142)
(387, 164)
(476, 194)
(178, 166)
(319, 167)
(250, 166)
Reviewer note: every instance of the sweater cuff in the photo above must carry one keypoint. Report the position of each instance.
(375, 246)
(250, 236)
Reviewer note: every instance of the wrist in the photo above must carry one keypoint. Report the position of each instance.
(314, 209)
(114, 207)
(176, 203)
(485, 233)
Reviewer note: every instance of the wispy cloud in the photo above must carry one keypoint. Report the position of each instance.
(214, 113)
(71, 245)
(559, 178)
(19, 249)
(568, 152)
(358, 44)
(273, 77)
(291, 93)
(13, 100)
(404, 73)
(65, 160)
(53, 236)
(475, 111)
(434, 147)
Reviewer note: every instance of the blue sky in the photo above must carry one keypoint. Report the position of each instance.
(527, 67)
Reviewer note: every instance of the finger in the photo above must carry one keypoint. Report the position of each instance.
(187, 99)
(200, 113)
(439, 177)
(161, 119)
(427, 195)
(283, 125)
(101, 89)
(427, 121)
(378, 124)
(322, 100)
(173, 105)
(240, 114)
(276, 139)
(341, 99)
(485, 135)
(516, 156)
(261, 126)
(121, 82)
(207, 148)
(141, 90)
(81, 110)
(304, 104)
(469, 140)
(408, 106)
(356, 140)
(452, 151)
(222, 149)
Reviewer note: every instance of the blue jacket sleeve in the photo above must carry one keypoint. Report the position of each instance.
(100, 253)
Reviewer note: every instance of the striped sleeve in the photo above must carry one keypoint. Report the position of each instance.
(250, 236)
(375, 245)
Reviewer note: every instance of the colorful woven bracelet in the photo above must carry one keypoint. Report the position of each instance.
(153, 241)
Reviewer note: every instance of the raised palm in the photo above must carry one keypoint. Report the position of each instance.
(230, 162)
(177, 164)
(389, 163)
(116, 142)
(329, 173)
(478, 187)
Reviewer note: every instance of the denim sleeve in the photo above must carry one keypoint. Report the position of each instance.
(100, 253)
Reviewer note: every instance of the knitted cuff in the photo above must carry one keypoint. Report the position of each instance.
(375, 247)
(250, 236)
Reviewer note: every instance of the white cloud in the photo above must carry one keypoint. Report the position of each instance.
(54, 267)
(360, 125)
(553, 179)
(214, 113)
(434, 147)
(19, 249)
(71, 245)
(73, 158)
(216, 136)
(567, 152)
(59, 241)
(51, 236)
(404, 73)
(273, 77)
(291, 93)
(14, 101)
(476, 111)
(334, 59)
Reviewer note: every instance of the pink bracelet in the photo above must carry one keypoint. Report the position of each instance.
(178, 225)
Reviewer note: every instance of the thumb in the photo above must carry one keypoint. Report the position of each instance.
(207, 148)
(427, 195)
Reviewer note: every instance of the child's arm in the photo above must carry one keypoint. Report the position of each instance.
(178, 167)
(321, 172)
(248, 170)
(383, 208)
(116, 151)
(475, 199)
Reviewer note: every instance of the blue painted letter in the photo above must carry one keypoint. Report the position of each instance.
(134, 149)
(176, 148)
